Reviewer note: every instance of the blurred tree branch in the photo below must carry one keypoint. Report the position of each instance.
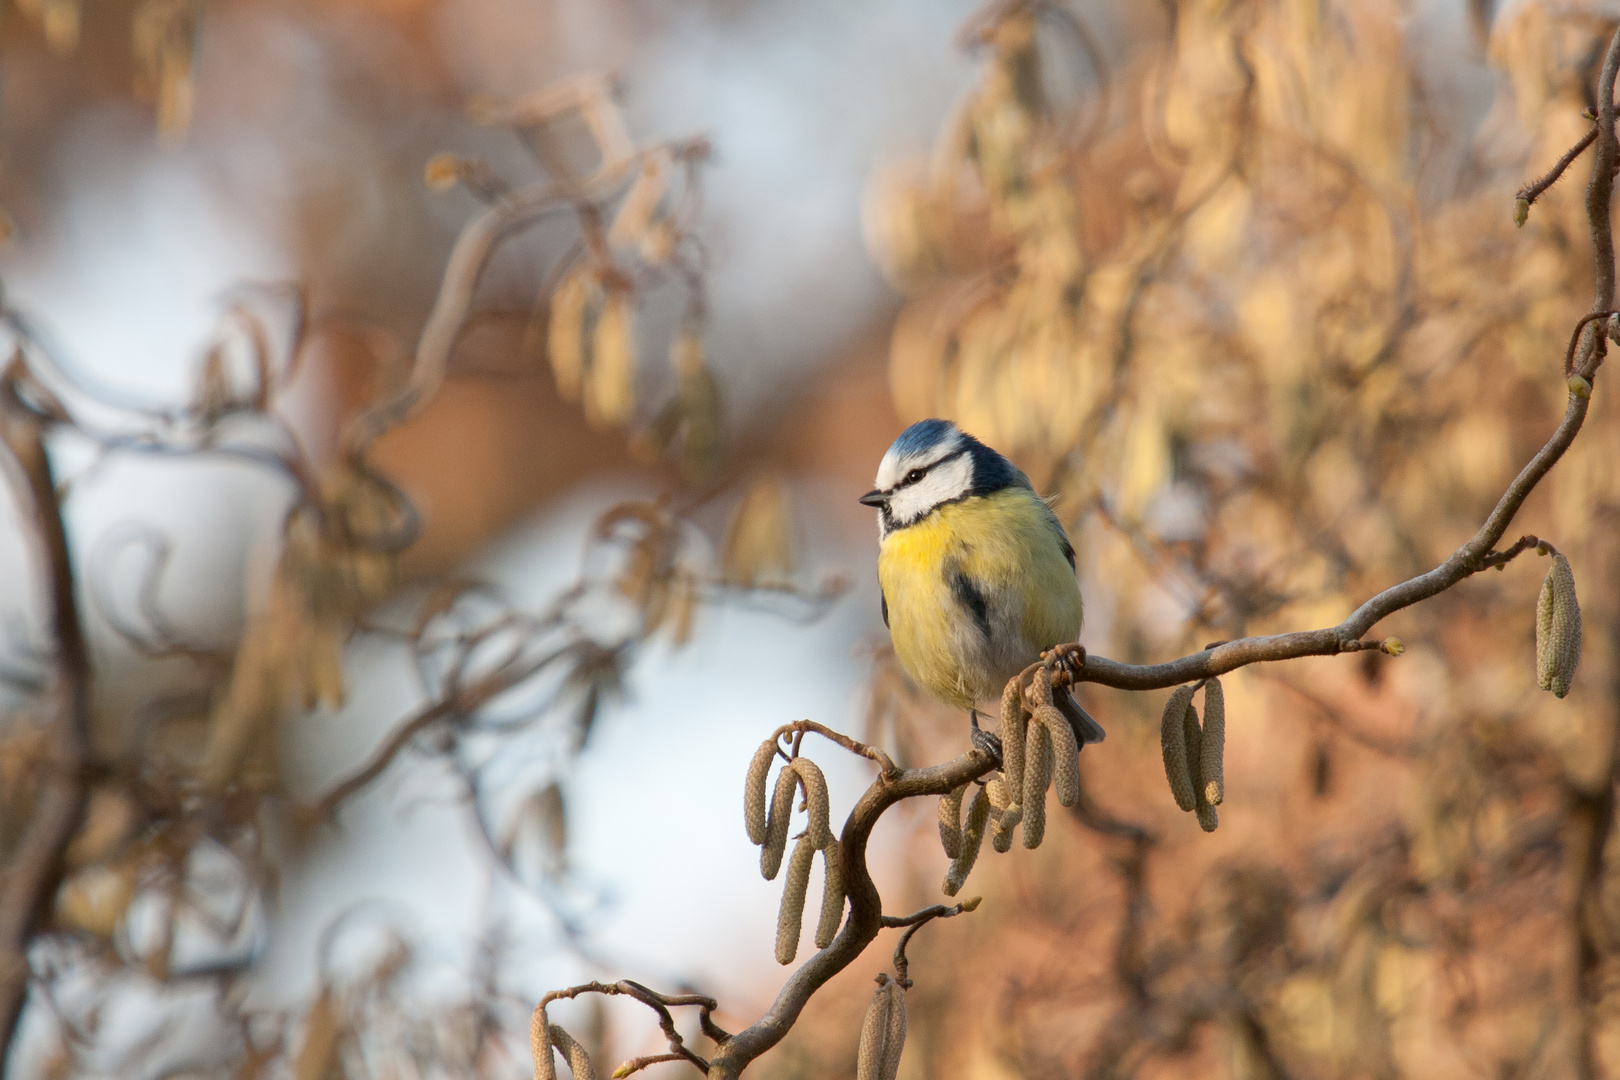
(30, 878)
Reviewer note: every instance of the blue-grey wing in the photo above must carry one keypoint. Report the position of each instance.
(1057, 529)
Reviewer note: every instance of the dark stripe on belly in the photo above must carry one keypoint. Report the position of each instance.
(969, 596)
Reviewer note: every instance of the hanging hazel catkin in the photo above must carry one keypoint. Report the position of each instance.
(794, 891)
(1037, 778)
(1006, 822)
(832, 896)
(776, 828)
(1207, 818)
(1040, 689)
(579, 1062)
(950, 821)
(1178, 764)
(1012, 736)
(972, 838)
(883, 1033)
(815, 801)
(1558, 629)
(322, 1027)
(759, 770)
(1212, 748)
(540, 1046)
(1004, 812)
(1065, 754)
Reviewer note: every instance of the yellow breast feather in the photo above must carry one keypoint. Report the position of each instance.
(975, 591)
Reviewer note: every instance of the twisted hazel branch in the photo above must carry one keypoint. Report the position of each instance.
(866, 917)
(1575, 339)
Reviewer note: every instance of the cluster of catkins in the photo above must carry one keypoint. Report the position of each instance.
(1193, 755)
(1038, 748)
(770, 831)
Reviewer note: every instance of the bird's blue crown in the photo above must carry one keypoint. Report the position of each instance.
(991, 471)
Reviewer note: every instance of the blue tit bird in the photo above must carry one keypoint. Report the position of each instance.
(977, 574)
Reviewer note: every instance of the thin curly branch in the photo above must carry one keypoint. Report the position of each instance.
(799, 727)
(659, 1003)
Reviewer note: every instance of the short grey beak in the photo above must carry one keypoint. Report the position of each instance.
(874, 498)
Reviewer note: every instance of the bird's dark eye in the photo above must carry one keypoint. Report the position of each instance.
(913, 476)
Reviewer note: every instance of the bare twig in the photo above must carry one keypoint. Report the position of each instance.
(799, 727)
(1535, 188)
(915, 922)
(468, 258)
(635, 1065)
(1499, 559)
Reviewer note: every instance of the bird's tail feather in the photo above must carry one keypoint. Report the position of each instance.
(1086, 730)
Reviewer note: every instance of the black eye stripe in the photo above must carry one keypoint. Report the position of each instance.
(923, 470)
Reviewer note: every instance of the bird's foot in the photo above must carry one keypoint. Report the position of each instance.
(983, 741)
(1068, 660)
